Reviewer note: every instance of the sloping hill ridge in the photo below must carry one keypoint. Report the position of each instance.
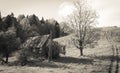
(66, 40)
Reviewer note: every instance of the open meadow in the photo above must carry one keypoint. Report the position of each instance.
(95, 60)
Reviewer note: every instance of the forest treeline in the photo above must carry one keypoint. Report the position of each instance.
(14, 31)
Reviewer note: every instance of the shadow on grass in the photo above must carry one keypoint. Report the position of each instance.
(37, 63)
(108, 57)
(75, 60)
(59, 63)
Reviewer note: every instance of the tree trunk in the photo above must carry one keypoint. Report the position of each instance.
(6, 55)
(81, 47)
(81, 51)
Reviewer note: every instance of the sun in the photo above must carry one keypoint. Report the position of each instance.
(65, 9)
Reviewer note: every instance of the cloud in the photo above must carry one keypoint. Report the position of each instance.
(65, 9)
(108, 11)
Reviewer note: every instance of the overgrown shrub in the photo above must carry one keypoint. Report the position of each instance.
(31, 49)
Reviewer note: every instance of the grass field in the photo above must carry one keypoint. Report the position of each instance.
(95, 60)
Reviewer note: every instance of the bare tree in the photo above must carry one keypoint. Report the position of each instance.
(113, 38)
(82, 20)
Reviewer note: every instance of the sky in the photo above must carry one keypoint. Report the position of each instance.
(108, 10)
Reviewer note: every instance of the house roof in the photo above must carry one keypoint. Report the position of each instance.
(35, 42)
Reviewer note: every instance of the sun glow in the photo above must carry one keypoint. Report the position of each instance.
(65, 9)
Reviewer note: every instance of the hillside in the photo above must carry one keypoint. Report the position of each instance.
(95, 60)
(100, 57)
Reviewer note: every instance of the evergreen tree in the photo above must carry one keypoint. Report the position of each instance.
(0, 17)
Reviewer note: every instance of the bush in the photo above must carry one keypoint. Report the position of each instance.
(22, 58)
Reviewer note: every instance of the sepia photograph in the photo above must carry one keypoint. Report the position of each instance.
(59, 36)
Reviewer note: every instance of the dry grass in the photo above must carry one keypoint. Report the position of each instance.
(96, 60)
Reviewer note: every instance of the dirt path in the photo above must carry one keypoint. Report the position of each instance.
(114, 65)
(108, 63)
